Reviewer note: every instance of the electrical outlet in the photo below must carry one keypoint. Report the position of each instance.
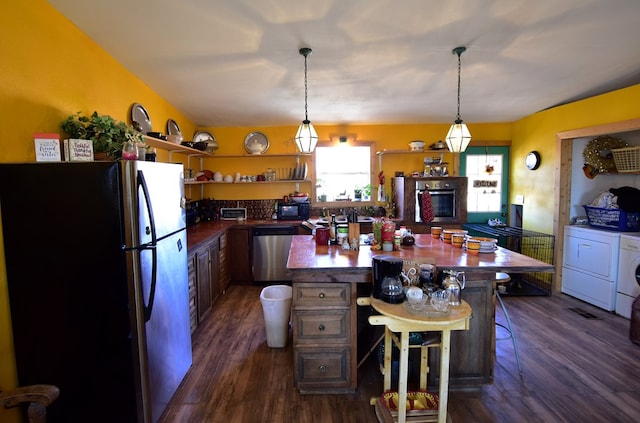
(519, 199)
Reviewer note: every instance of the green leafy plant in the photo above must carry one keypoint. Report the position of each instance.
(108, 135)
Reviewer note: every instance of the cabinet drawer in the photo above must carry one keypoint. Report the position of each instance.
(321, 294)
(322, 326)
(322, 367)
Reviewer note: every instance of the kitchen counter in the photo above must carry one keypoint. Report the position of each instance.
(203, 231)
(305, 255)
(328, 334)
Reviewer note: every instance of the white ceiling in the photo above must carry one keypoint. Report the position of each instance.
(236, 62)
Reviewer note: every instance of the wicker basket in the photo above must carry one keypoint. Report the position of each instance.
(627, 159)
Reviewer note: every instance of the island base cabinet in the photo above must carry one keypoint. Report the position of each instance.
(324, 327)
(323, 370)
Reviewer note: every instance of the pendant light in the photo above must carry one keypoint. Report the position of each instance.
(307, 137)
(458, 137)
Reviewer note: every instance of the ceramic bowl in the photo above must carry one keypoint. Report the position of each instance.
(174, 138)
(300, 199)
(255, 148)
(416, 145)
(485, 243)
(447, 233)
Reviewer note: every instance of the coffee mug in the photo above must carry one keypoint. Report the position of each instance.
(322, 236)
(436, 231)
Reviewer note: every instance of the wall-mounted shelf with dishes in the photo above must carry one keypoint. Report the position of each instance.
(175, 148)
(280, 181)
(381, 153)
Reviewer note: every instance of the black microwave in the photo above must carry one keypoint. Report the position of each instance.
(293, 210)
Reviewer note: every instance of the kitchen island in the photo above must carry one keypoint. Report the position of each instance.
(331, 335)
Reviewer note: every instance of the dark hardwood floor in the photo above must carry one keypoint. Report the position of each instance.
(575, 369)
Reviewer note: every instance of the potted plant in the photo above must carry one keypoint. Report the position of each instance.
(108, 135)
(362, 192)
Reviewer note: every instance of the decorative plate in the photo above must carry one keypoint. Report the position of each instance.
(256, 143)
(173, 128)
(204, 136)
(140, 119)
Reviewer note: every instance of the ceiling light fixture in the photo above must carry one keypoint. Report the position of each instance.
(307, 137)
(458, 137)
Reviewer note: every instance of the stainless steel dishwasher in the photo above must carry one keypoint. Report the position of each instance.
(270, 252)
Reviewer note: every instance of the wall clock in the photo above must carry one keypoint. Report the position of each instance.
(532, 160)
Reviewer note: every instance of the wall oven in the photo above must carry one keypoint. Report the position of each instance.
(448, 199)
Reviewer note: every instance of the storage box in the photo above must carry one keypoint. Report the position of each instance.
(613, 219)
(627, 160)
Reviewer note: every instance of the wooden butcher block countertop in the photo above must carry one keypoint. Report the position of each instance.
(305, 255)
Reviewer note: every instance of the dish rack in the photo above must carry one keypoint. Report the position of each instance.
(627, 159)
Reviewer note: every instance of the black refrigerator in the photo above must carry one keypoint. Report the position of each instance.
(96, 266)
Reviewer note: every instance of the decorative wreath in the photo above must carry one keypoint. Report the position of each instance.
(598, 154)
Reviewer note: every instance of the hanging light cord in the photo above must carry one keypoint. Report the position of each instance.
(306, 116)
(459, 51)
(305, 51)
(459, 67)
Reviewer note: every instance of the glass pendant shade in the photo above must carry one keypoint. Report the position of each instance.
(458, 138)
(307, 137)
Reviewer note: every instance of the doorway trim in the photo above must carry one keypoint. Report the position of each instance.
(562, 194)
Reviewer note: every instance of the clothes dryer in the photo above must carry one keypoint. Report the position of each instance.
(628, 273)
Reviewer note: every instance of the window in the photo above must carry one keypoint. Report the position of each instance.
(344, 172)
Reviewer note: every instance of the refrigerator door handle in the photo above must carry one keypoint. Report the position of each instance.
(148, 305)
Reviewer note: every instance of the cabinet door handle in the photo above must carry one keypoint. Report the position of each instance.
(321, 295)
(322, 368)
(321, 327)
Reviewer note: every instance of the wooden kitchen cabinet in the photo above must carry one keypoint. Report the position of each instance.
(208, 278)
(193, 295)
(223, 267)
(205, 280)
(472, 350)
(239, 253)
(324, 330)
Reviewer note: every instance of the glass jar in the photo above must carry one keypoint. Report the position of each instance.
(129, 151)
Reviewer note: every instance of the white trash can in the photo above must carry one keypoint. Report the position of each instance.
(276, 307)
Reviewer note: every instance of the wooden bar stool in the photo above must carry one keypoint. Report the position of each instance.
(503, 278)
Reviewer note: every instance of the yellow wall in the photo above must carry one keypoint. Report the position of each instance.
(50, 70)
(538, 132)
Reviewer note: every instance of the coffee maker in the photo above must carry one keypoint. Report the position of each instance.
(387, 282)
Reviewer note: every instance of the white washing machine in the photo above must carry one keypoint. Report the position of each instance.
(628, 273)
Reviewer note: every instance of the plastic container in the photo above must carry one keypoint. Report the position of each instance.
(613, 219)
(276, 307)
